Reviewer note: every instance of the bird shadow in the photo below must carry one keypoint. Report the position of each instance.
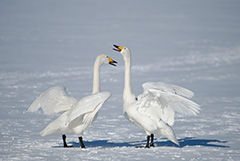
(191, 141)
(188, 141)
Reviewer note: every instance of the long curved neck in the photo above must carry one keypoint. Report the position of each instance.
(96, 81)
(128, 95)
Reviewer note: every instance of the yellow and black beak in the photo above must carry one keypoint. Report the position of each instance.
(118, 48)
(112, 62)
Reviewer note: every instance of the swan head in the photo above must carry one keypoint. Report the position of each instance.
(123, 50)
(104, 59)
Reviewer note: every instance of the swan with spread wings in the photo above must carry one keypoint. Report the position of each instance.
(77, 115)
(153, 111)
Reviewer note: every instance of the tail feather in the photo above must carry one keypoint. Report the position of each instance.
(50, 129)
(166, 131)
(35, 105)
(174, 140)
(56, 126)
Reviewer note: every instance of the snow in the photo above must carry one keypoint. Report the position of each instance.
(194, 44)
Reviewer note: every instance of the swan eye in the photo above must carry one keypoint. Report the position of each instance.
(106, 56)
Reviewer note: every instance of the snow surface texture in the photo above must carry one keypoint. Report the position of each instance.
(194, 44)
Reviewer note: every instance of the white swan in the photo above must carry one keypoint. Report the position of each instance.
(77, 115)
(153, 111)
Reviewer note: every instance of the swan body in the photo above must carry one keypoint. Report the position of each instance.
(77, 115)
(153, 111)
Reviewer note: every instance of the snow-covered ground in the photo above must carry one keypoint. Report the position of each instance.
(195, 44)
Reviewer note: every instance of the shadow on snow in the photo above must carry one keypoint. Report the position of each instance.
(188, 141)
(191, 141)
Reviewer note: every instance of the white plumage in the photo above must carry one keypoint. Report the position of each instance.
(153, 111)
(77, 115)
(53, 100)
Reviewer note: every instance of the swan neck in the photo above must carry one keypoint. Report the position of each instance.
(127, 93)
(96, 75)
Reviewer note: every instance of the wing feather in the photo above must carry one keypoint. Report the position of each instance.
(168, 88)
(161, 102)
(87, 105)
(53, 100)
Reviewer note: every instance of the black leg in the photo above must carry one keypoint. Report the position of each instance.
(152, 139)
(81, 142)
(147, 145)
(64, 141)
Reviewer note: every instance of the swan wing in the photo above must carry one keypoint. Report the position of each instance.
(87, 105)
(170, 88)
(161, 104)
(53, 100)
(56, 126)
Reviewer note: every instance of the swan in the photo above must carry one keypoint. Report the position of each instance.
(153, 111)
(77, 115)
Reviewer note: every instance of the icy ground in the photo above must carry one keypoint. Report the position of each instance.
(194, 44)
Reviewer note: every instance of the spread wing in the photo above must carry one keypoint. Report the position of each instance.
(170, 88)
(88, 105)
(160, 101)
(53, 100)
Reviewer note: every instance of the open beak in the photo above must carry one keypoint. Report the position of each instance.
(117, 48)
(112, 62)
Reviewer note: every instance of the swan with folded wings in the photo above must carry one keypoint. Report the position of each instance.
(77, 115)
(153, 111)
